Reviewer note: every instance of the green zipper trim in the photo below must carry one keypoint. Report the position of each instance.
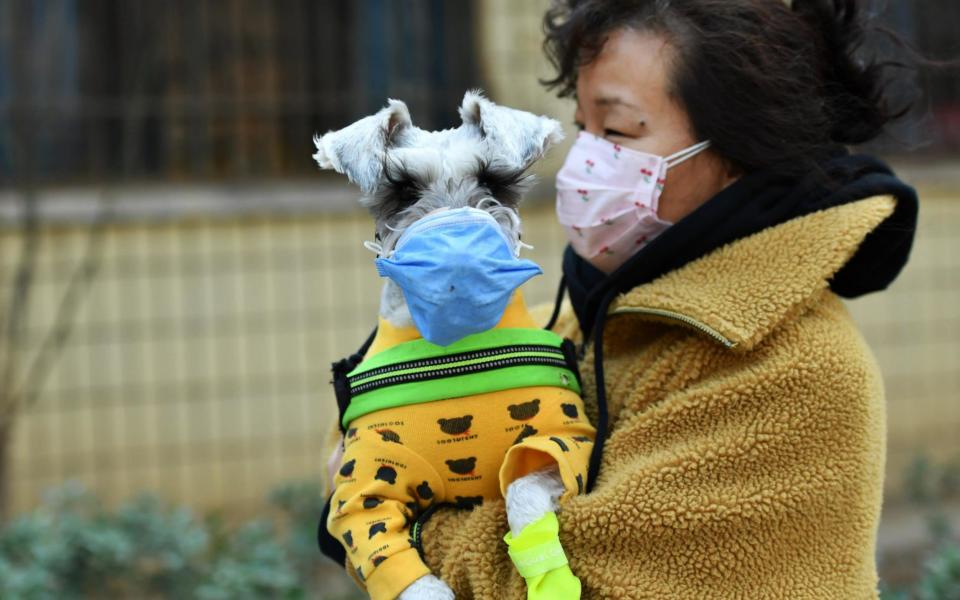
(360, 380)
(417, 371)
(444, 388)
(421, 349)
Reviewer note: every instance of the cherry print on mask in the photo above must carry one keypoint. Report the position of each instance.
(624, 187)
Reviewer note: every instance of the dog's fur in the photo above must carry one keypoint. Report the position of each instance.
(404, 174)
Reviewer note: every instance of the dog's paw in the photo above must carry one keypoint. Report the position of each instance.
(532, 496)
(427, 587)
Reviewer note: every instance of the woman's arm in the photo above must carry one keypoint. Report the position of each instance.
(756, 475)
(333, 455)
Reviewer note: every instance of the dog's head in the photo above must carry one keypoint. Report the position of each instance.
(405, 172)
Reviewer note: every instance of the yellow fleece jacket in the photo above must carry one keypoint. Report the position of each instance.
(746, 451)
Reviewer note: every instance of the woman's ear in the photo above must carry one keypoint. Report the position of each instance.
(358, 150)
(732, 171)
(514, 138)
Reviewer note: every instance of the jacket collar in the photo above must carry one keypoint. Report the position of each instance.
(742, 291)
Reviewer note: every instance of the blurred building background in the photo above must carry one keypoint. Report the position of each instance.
(176, 275)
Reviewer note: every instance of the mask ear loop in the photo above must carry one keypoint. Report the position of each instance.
(374, 247)
(686, 154)
(521, 245)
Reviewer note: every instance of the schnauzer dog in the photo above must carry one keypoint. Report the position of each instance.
(411, 180)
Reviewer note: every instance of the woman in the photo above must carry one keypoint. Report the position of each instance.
(742, 413)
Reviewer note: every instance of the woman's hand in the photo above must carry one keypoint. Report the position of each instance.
(333, 463)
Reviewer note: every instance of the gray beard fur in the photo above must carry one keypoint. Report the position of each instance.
(393, 306)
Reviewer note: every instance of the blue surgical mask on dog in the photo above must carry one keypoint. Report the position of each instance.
(457, 270)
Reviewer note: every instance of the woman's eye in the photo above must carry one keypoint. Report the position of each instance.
(614, 132)
(606, 132)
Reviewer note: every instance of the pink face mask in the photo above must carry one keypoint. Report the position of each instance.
(607, 198)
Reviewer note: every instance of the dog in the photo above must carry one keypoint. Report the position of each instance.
(409, 176)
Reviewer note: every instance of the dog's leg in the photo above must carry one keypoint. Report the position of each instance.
(427, 587)
(528, 499)
(534, 541)
(532, 496)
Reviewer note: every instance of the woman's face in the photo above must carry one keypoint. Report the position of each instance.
(623, 96)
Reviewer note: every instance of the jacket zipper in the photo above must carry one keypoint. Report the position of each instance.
(684, 319)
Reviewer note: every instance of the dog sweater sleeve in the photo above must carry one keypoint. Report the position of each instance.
(372, 509)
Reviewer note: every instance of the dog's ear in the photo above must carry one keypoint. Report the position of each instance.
(358, 150)
(517, 138)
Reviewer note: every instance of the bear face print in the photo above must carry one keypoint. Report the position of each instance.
(457, 426)
(348, 538)
(525, 411)
(468, 502)
(389, 435)
(462, 466)
(525, 433)
(561, 443)
(347, 469)
(375, 529)
(582, 439)
(424, 491)
(376, 560)
(372, 502)
(570, 410)
(386, 473)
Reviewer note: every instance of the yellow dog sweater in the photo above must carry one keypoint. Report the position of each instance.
(400, 460)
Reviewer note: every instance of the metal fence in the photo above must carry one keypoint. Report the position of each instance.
(204, 89)
(178, 337)
(198, 363)
(102, 90)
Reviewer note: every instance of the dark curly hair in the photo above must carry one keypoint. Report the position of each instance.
(771, 86)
